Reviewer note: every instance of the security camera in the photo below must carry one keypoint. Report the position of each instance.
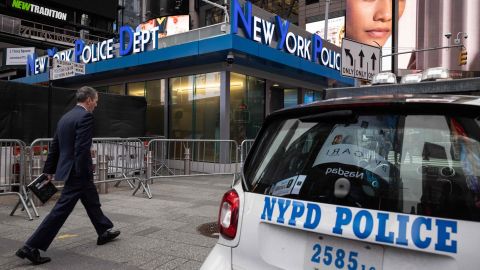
(465, 36)
(448, 35)
(230, 58)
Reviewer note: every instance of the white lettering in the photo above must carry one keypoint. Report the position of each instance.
(301, 43)
(325, 56)
(268, 29)
(307, 49)
(43, 64)
(155, 37)
(110, 48)
(102, 50)
(136, 42)
(69, 54)
(95, 53)
(289, 41)
(86, 54)
(145, 38)
(256, 29)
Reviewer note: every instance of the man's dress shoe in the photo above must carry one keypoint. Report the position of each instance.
(107, 236)
(32, 254)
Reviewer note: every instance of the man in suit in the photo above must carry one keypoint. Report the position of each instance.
(70, 160)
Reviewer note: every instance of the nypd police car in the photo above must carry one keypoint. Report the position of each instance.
(365, 183)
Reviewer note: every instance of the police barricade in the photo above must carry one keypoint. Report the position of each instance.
(244, 149)
(180, 157)
(37, 155)
(114, 160)
(13, 174)
(119, 159)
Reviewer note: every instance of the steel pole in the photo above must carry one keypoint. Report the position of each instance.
(325, 30)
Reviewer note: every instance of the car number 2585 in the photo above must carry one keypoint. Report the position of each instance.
(337, 258)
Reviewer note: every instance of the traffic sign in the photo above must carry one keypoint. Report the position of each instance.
(78, 67)
(61, 69)
(360, 60)
(62, 72)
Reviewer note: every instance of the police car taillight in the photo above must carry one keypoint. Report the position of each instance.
(228, 214)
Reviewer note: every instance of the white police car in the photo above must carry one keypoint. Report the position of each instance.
(358, 184)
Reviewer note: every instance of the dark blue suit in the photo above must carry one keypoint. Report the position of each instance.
(70, 160)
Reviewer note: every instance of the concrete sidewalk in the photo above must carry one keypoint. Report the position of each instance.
(157, 233)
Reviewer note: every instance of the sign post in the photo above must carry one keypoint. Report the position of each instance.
(360, 60)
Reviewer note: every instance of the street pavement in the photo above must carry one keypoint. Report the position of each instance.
(157, 233)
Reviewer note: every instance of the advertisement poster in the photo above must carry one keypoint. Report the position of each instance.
(423, 24)
(168, 26)
(336, 29)
(18, 56)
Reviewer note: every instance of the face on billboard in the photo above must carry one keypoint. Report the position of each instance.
(370, 21)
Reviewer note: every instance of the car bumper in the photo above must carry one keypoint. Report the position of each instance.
(220, 258)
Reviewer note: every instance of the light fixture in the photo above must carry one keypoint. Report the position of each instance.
(411, 78)
(384, 78)
(275, 85)
(436, 73)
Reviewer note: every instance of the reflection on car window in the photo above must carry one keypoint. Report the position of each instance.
(418, 164)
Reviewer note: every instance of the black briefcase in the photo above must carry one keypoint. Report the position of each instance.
(42, 189)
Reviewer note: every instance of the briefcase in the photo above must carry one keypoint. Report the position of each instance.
(42, 189)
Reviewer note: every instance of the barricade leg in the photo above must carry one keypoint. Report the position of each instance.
(36, 171)
(29, 201)
(146, 188)
(103, 186)
(129, 182)
(25, 206)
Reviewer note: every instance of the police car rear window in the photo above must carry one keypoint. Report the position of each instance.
(415, 164)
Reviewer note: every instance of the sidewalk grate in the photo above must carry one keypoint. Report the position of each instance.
(209, 229)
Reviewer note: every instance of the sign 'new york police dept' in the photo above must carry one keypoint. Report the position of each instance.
(273, 32)
(281, 34)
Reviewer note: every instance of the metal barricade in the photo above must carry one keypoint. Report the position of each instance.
(113, 159)
(37, 155)
(13, 174)
(116, 160)
(244, 149)
(180, 157)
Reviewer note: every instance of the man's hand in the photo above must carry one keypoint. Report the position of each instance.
(50, 177)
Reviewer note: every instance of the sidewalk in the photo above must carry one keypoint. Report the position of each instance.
(157, 233)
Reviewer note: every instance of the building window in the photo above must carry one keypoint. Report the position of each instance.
(102, 89)
(247, 103)
(116, 89)
(290, 97)
(136, 89)
(214, 16)
(194, 109)
(311, 96)
(155, 96)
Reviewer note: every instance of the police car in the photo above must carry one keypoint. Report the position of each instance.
(365, 183)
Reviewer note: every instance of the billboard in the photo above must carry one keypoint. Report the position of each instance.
(105, 8)
(423, 24)
(336, 29)
(168, 26)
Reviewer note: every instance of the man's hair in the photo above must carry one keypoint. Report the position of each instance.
(85, 92)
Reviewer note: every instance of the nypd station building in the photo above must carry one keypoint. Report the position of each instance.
(217, 82)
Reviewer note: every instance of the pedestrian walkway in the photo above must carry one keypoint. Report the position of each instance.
(157, 233)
